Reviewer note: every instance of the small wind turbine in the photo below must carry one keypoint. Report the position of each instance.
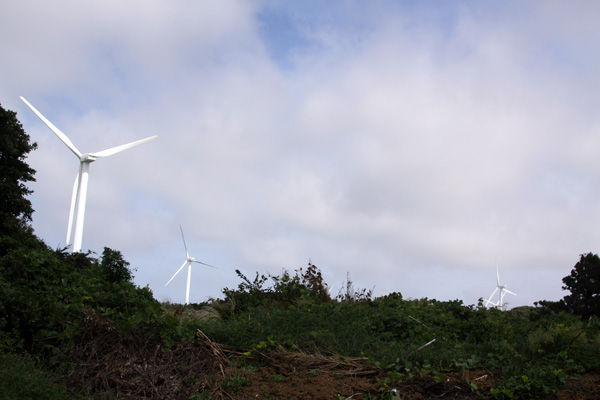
(79, 195)
(503, 290)
(189, 260)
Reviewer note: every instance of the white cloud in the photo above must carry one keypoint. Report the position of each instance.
(409, 146)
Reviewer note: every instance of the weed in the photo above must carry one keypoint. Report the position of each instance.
(234, 383)
(251, 368)
(203, 395)
(277, 378)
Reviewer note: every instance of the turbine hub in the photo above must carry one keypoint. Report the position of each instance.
(87, 158)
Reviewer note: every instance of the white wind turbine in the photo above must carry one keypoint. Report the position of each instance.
(503, 290)
(189, 260)
(78, 199)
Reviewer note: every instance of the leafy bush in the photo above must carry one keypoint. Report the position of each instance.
(304, 288)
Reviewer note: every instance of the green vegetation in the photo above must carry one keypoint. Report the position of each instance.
(529, 351)
(584, 285)
(14, 172)
(22, 379)
(75, 326)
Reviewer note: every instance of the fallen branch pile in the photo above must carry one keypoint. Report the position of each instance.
(131, 368)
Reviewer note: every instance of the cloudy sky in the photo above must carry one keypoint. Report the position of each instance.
(410, 144)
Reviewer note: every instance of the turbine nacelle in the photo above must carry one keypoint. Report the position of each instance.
(88, 158)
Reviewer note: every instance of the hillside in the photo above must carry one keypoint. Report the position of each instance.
(75, 326)
(82, 322)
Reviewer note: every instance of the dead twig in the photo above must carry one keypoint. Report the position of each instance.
(425, 345)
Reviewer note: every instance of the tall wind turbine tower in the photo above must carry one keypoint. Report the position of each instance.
(79, 196)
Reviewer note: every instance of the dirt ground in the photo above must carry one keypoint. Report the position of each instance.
(587, 387)
(303, 376)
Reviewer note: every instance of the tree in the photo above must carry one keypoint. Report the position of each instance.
(584, 285)
(115, 267)
(15, 208)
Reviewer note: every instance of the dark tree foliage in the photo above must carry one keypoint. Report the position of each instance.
(15, 208)
(115, 268)
(584, 285)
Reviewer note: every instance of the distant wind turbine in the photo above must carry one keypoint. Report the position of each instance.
(503, 290)
(330, 289)
(189, 260)
(78, 199)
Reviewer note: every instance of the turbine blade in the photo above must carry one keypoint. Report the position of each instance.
(492, 295)
(54, 129)
(497, 274)
(179, 270)
(118, 149)
(74, 199)
(184, 245)
(330, 289)
(200, 262)
(508, 291)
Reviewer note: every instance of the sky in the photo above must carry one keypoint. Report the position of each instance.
(410, 145)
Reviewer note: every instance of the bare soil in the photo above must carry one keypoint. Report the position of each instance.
(587, 387)
(289, 375)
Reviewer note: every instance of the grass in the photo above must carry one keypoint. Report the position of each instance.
(22, 379)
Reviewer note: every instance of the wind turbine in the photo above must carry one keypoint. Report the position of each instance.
(189, 260)
(79, 196)
(503, 290)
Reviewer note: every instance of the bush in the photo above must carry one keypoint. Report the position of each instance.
(304, 288)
